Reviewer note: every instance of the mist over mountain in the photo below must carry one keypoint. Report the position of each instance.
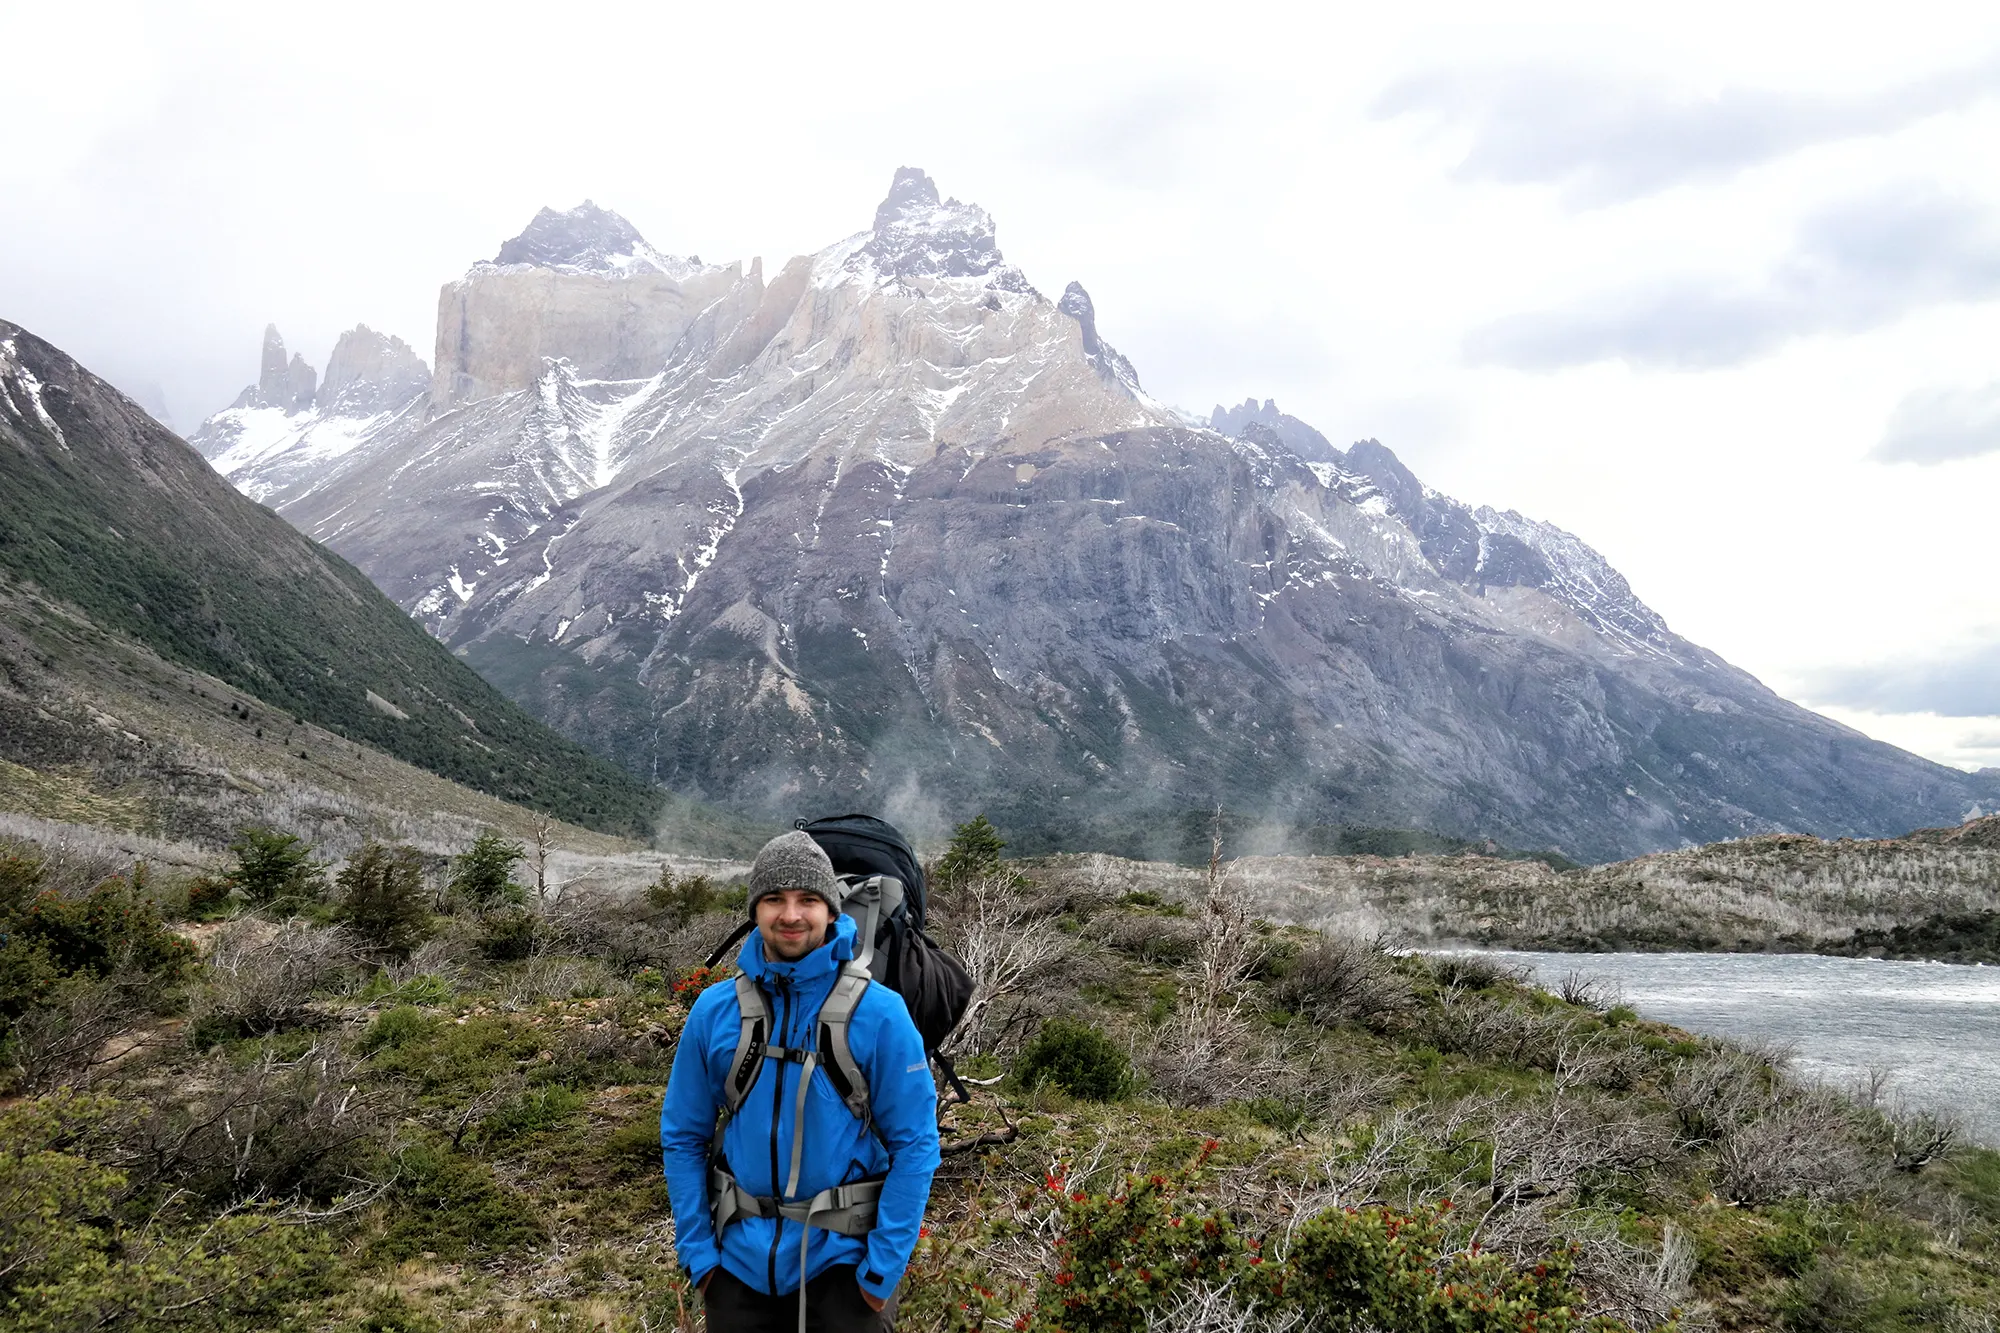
(893, 527)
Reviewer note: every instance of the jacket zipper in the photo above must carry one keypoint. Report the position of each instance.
(783, 1025)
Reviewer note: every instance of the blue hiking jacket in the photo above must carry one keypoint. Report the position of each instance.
(764, 1252)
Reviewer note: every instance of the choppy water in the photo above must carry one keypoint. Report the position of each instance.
(1934, 1028)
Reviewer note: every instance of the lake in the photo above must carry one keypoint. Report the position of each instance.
(1934, 1028)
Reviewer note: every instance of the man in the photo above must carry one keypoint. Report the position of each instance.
(792, 1248)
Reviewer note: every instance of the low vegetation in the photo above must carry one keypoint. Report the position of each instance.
(1931, 894)
(411, 1097)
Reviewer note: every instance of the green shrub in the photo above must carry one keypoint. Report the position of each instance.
(481, 873)
(1077, 1058)
(1121, 1257)
(507, 937)
(974, 853)
(76, 1252)
(1375, 1268)
(636, 1144)
(273, 867)
(539, 1108)
(45, 938)
(381, 896)
(1792, 1244)
(450, 1204)
(682, 900)
(428, 988)
(393, 1027)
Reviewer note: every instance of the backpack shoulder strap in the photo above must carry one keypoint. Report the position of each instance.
(752, 1037)
(837, 1055)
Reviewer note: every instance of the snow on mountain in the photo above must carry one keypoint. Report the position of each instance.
(286, 431)
(893, 526)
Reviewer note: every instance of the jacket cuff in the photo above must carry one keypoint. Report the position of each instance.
(699, 1266)
(875, 1280)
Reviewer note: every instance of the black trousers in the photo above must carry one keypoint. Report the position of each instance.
(833, 1305)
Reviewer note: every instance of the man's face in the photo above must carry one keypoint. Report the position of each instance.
(793, 923)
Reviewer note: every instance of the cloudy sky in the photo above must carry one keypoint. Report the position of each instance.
(1715, 287)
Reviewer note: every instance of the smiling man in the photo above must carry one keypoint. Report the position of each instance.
(799, 1129)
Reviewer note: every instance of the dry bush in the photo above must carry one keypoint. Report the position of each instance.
(1543, 1150)
(1202, 1057)
(1163, 940)
(1773, 1138)
(1207, 1050)
(263, 976)
(1587, 991)
(1204, 1307)
(1336, 979)
(690, 945)
(301, 1128)
(83, 1031)
(558, 977)
(1631, 1283)
(1468, 1022)
(1012, 947)
(1799, 1144)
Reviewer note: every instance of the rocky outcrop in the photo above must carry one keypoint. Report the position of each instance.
(894, 528)
(272, 440)
(1109, 363)
(582, 287)
(371, 372)
(1266, 424)
(282, 386)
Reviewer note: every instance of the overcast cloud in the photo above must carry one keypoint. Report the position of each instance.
(1854, 266)
(1965, 683)
(1939, 425)
(1608, 138)
(1396, 221)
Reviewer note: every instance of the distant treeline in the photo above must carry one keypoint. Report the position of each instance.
(1945, 938)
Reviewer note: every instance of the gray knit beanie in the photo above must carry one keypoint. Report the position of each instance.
(793, 861)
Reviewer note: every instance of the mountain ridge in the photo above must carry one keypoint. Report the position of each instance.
(896, 527)
(112, 514)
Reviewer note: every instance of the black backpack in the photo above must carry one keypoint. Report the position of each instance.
(885, 889)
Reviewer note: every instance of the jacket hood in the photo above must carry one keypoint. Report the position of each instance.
(820, 964)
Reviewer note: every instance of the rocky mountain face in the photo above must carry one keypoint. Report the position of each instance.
(282, 431)
(895, 528)
(116, 533)
(1267, 425)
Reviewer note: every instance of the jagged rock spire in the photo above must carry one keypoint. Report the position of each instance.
(1110, 364)
(918, 235)
(288, 385)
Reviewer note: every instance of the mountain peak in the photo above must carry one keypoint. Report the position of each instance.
(581, 237)
(1265, 424)
(909, 191)
(286, 385)
(371, 372)
(589, 239)
(917, 234)
(1110, 364)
